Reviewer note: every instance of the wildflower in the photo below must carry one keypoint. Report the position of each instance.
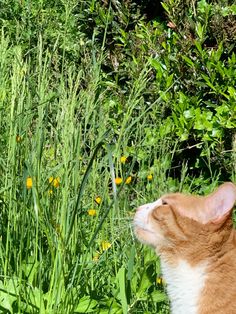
(105, 245)
(92, 212)
(123, 159)
(96, 256)
(118, 181)
(150, 177)
(128, 180)
(50, 192)
(98, 200)
(54, 181)
(160, 280)
(29, 183)
(18, 138)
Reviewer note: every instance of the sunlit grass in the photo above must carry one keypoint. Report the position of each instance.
(68, 193)
(79, 153)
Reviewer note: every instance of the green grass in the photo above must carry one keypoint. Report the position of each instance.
(65, 122)
(54, 126)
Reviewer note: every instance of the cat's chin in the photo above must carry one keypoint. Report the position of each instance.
(145, 236)
(149, 237)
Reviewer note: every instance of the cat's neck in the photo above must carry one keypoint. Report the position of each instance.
(187, 271)
(184, 285)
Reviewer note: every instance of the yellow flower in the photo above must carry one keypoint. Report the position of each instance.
(128, 180)
(92, 212)
(118, 181)
(123, 159)
(54, 181)
(150, 177)
(105, 245)
(18, 138)
(98, 200)
(96, 256)
(160, 281)
(29, 183)
(50, 192)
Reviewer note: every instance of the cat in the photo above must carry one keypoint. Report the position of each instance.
(196, 242)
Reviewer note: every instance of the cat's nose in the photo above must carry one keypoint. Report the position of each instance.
(141, 208)
(145, 207)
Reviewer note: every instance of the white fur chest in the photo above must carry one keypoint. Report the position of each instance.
(184, 286)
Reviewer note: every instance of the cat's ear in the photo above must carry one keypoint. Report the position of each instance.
(220, 203)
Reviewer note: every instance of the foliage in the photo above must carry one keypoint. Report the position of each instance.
(203, 105)
(92, 92)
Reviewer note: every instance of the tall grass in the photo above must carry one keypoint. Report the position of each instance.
(64, 126)
(57, 130)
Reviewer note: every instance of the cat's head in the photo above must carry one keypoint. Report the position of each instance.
(175, 219)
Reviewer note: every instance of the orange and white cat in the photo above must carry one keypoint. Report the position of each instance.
(196, 242)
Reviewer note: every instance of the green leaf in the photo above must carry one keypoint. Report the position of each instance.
(144, 285)
(131, 263)
(166, 8)
(203, 6)
(169, 80)
(188, 61)
(183, 136)
(6, 301)
(30, 269)
(86, 305)
(207, 79)
(112, 307)
(199, 47)
(232, 91)
(188, 114)
(200, 30)
(111, 311)
(158, 296)
(122, 294)
(8, 294)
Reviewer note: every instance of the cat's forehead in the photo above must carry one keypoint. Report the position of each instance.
(177, 199)
(153, 205)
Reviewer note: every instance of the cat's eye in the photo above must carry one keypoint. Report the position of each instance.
(164, 202)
